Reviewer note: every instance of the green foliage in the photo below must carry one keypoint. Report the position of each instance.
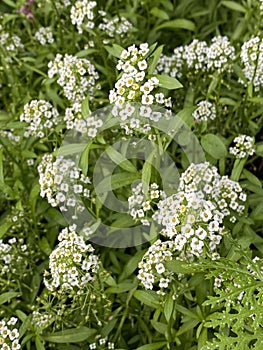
(210, 302)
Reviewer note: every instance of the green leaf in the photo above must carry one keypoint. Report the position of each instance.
(168, 308)
(85, 107)
(233, 5)
(33, 196)
(44, 246)
(114, 50)
(186, 312)
(115, 181)
(146, 175)
(154, 59)
(84, 158)
(178, 266)
(159, 326)
(214, 146)
(121, 288)
(237, 169)
(159, 13)
(179, 23)
(149, 298)
(153, 346)
(131, 265)
(7, 297)
(4, 228)
(10, 3)
(252, 178)
(73, 335)
(168, 83)
(108, 328)
(120, 160)
(71, 149)
(259, 149)
(39, 344)
(1, 166)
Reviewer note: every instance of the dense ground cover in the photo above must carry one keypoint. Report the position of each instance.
(131, 174)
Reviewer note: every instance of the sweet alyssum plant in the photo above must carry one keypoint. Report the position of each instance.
(130, 175)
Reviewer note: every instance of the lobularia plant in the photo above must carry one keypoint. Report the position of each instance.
(181, 83)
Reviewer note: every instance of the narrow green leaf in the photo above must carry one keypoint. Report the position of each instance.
(121, 288)
(1, 166)
(178, 266)
(233, 5)
(155, 11)
(168, 308)
(120, 160)
(4, 228)
(155, 59)
(114, 50)
(187, 312)
(252, 178)
(7, 297)
(214, 146)
(85, 107)
(159, 326)
(237, 169)
(108, 328)
(44, 246)
(71, 149)
(179, 23)
(153, 346)
(259, 149)
(39, 344)
(10, 3)
(115, 181)
(73, 335)
(168, 83)
(84, 158)
(146, 176)
(147, 297)
(131, 265)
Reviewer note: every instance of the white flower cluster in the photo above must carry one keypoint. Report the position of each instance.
(41, 321)
(261, 5)
(195, 55)
(151, 267)
(77, 76)
(252, 58)
(220, 54)
(101, 343)
(140, 203)
(61, 181)
(205, 111)
(244, 146)
(10, 43)
(11, 259)
(9, 335)
(9, 134)
(86, 125)
(41, 117)
(256, 266)
(198, 57)
(116, 26)
(199, 177)
(173, 65)
(73, 264)
(192, 222)
(133, 84)
(82, 14)
(44, 35)
(225, 193)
